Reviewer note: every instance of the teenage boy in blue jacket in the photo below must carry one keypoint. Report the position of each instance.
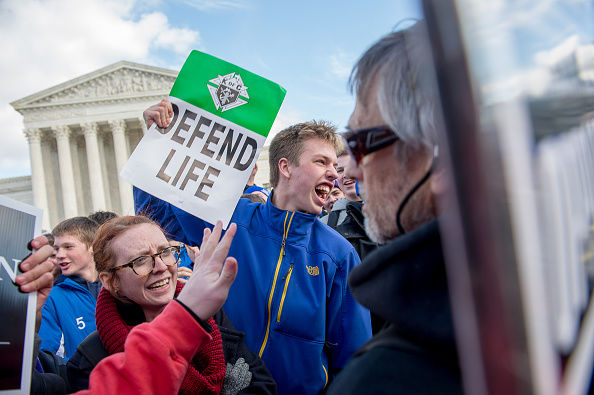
(290, 296)
(68, 315)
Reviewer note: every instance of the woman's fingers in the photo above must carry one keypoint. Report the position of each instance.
(228, 273)
(223, 246)
(209, 242)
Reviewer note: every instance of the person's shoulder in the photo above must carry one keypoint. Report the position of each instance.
(63, 287)
(71, 284)
(327, 239)
(90, 351)
(324, 230)
(66, 288)
(246, 211)
(87, 355)
(340, 204)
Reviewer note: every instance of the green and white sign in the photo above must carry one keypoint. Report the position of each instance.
(203, 159)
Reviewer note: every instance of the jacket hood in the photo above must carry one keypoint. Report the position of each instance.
(340, 204)
(404, 282)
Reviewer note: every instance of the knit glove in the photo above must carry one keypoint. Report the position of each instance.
(237, 377)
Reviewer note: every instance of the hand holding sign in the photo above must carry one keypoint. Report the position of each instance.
(37, 270)
(203, 142)
(37, 274)
(160, 113)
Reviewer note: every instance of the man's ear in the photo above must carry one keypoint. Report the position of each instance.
(284, 168)
(439, 181)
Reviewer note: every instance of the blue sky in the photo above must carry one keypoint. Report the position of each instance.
(308, 47)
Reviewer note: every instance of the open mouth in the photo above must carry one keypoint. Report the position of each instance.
(322, 191)
(348, 184)
(64, 265)
(161, 284)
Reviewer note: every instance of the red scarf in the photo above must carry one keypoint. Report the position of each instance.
(206, 370)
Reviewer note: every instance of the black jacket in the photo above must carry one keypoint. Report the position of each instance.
(404, 282)
(51, 381)
(352, 228)
(91, 351)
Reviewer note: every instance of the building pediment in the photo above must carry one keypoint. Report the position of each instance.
(118, 81)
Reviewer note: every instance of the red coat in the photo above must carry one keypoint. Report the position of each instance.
(154, 360)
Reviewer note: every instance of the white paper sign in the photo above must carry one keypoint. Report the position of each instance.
(200, 163)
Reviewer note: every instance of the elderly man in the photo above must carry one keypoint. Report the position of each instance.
(393, 147)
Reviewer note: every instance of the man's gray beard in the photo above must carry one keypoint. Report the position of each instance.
(373, 232)
(372, 228)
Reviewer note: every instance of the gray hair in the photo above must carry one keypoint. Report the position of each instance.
(402, 63)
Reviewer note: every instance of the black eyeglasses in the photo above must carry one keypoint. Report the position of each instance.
(145, 264)
(365, 141)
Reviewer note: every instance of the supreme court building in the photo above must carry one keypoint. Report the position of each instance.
(80, 135)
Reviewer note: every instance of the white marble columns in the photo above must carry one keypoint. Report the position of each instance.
(62, 134)
(94, 165)
(38, 174)
(118, 129)
(57, 164)
(142, 125)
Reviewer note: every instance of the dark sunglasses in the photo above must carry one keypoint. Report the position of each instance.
(365, 141)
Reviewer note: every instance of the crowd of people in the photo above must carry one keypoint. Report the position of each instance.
(332, 282)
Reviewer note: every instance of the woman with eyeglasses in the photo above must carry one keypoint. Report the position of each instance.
(138, 269)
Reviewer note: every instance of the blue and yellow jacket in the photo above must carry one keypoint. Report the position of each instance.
(290, 296)
(69, 311)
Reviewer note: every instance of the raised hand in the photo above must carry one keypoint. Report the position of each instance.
(214, 272)
(160, 113)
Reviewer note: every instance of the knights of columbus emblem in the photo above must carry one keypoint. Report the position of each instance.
(229, 91)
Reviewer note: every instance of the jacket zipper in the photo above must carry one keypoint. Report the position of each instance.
(278, 265)
(286, 278)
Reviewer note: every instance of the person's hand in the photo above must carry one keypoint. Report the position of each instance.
(193, 252)
(160, 113)
(214, 272)
(183, 271)
(37, 273)
(237, 377)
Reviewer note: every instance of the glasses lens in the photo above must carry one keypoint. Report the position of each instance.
(365, 141)
(143, 265)
(352, 147)
(169, 255)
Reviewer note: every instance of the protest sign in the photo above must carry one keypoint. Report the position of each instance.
(203, 159)
(19, 223)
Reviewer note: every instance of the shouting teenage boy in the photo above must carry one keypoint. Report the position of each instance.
(290, 296)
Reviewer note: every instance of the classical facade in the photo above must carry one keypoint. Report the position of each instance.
(81, 133)
(17, 188)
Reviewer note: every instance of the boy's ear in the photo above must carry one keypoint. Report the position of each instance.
(284, 168)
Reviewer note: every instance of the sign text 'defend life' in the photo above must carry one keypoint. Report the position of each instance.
(202, 160)
(202, 135)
